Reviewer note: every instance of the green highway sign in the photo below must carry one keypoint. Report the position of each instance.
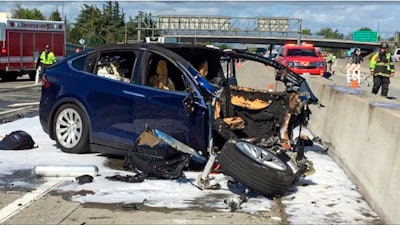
(365, 36)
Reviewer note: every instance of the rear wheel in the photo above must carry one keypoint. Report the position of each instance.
(259, 169)
(71, 129)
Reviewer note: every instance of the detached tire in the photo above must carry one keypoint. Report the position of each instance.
(71, 129)
(257, 168)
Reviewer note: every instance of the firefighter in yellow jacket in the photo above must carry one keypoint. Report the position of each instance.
(46, 59)
(382, 68)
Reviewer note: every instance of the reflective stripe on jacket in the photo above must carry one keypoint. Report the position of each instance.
(48, 58)
(381, 65)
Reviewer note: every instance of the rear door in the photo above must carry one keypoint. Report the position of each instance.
(110, 108)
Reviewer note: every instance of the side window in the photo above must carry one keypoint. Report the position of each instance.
(116, 65)
(84, 63)
(164, 74)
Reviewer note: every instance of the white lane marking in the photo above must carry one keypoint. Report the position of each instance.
(19, 204)
(28, 85)
(14, 110)
(23, 104)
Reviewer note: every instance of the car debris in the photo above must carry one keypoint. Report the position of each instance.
(65, 170)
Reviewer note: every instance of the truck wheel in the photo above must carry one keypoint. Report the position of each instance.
(259, 169)
(71, 129)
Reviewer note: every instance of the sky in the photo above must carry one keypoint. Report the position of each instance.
(324, 197)
(345, 16)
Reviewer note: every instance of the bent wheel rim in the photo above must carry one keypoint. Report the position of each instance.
(261, 156)
(69, 128)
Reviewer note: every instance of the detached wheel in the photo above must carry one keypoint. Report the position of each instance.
(257, 168)
(71, 129)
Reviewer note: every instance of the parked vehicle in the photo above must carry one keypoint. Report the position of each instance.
(396, 55)
(302, 59)
(23, 40)
(245, 129)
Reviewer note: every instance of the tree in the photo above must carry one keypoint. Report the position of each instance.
(329, 33)
(365, 28)
(114, 30)
(306, 32)
(99, 26)
(55, 16)
(89, 23)
(20, 13)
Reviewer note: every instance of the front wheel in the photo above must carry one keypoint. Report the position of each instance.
(71, 129)
(260, 169)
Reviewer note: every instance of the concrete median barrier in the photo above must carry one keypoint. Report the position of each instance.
(363, 131)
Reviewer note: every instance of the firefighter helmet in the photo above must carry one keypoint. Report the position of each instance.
(384, 45)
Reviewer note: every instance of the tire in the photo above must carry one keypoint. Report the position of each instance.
(269, 178)
(71, 129)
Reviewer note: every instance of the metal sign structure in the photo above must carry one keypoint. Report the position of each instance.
(168, 24)
(192, 23)
(269, 24)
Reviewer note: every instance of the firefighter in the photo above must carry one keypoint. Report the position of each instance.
(382, 68)
(45, 60)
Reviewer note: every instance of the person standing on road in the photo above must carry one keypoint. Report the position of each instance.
(330, 59)
(356, 57)
(382, 68)
(45, 60)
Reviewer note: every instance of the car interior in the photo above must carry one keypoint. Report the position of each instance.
(115, 65)
(172, 71)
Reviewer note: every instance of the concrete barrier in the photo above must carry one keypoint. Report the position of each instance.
(364, 135)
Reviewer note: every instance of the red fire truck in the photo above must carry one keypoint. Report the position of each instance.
(22, 41)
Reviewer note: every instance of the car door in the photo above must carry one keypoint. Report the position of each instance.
(111, 110)
(165, 110)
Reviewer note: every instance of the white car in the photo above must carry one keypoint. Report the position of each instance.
(396, 55)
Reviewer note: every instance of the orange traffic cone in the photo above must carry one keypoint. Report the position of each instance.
(354, 83)
(270, 88)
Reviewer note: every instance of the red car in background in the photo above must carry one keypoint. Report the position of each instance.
(302, 59)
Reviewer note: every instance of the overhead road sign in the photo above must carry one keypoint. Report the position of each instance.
(365, 36)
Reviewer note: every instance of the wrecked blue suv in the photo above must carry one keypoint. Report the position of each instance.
(102, 99)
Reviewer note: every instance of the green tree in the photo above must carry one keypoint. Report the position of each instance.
(329, 33)
(18, 12)
(114, 29)
(306, 32)
(89, 23)
(55, 16)
(99, 26)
